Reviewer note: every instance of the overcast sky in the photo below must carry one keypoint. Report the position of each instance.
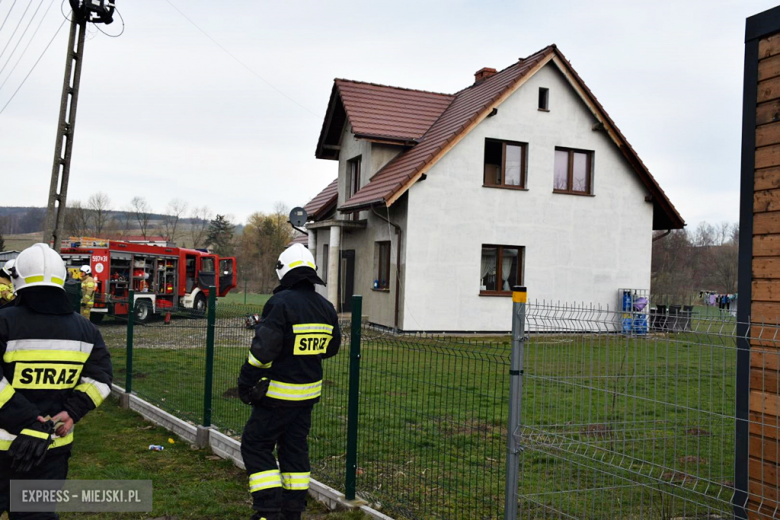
(164, 112)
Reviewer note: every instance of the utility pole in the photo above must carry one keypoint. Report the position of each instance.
(83, 12)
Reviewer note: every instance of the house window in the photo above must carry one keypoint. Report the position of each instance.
(324, 274)
(501, 268)
(353, 170)
(573, 171)
(382, 280)
(504, 164)
(544, 99)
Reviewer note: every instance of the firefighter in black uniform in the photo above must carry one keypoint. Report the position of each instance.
(282, 379)
(53, 365)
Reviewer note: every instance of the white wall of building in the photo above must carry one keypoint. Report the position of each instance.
(577, 248)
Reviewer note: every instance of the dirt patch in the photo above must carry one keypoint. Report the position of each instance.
(697, 432)
(693, 459)
(678, 476)
(597, 430)
(231, 393)
(449, 427)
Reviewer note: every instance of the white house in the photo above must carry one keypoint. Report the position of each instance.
(445, 201)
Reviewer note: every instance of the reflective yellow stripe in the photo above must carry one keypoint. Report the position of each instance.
(33, 279)
(264, 480)
(88, 285)
(294, 392)
(91, 391)
(311, 265)
(33, 433)
(58, 281)
(58, 441)
(296, 481)
(45, 355)
(312, 327)
(6, 394)
(256, 362)
(296, 264)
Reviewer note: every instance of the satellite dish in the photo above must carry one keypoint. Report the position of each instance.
(298, 217)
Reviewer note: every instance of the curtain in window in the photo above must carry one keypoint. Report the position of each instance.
(506, 267)
(488, 265)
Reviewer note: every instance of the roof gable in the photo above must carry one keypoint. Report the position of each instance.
(378, 112)
(473, 104)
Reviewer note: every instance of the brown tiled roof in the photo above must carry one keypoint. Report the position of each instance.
(390, 112)
(470, 106)
(324, 201)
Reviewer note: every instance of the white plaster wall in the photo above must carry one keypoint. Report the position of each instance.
(379, 306)
(577, 248)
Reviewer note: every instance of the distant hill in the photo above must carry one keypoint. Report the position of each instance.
(19, 220)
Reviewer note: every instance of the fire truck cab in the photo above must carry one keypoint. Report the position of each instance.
(162, 278)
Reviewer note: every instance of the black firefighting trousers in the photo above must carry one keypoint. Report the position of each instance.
(53, 467)
(283, 487)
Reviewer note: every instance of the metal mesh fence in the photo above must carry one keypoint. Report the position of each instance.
(627, 425)
(615, 422)
(169, 362)
(432, 425)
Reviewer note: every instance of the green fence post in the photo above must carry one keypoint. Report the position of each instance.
(354, 390)
(129, 353)
(211, 325)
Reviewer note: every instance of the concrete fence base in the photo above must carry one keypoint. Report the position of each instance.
(229, 448)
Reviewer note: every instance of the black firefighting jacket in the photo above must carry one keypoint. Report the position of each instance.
(297, 330)
(50, 362)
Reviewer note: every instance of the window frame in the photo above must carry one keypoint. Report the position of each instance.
(570, 176)
(544, 94)
(354, 181)
(387, 245)
(499, 266)
(523, 165)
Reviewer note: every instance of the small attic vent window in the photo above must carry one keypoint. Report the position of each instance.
(544, 99)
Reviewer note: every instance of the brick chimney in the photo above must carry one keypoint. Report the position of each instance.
(483, 74)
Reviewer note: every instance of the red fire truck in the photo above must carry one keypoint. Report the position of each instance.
(162, 278)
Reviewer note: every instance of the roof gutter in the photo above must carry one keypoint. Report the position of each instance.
(662, 235)
(398, 232)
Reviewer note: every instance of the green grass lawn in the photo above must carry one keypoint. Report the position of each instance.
(237, 297)
(113, 443)
(640, 426)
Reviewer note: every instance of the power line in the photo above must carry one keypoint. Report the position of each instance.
(18, 24)
(24, 51)
(239, 61)
(33, 67)
(21, 38)
(7, 15)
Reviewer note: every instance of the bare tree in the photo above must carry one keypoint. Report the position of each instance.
(76, 219)
(173, 213)
(201, 216)
(99, 206)
(142, 213)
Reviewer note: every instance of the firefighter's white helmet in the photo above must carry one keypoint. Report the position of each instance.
(8, 268)
(39, 266)
(86, 269)
(297, 255)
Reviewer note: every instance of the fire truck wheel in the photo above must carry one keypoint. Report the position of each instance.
(200, 304)
(96, 317)
(143, 311)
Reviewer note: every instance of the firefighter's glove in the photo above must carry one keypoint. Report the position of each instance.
(29, 448)
(255, 394)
